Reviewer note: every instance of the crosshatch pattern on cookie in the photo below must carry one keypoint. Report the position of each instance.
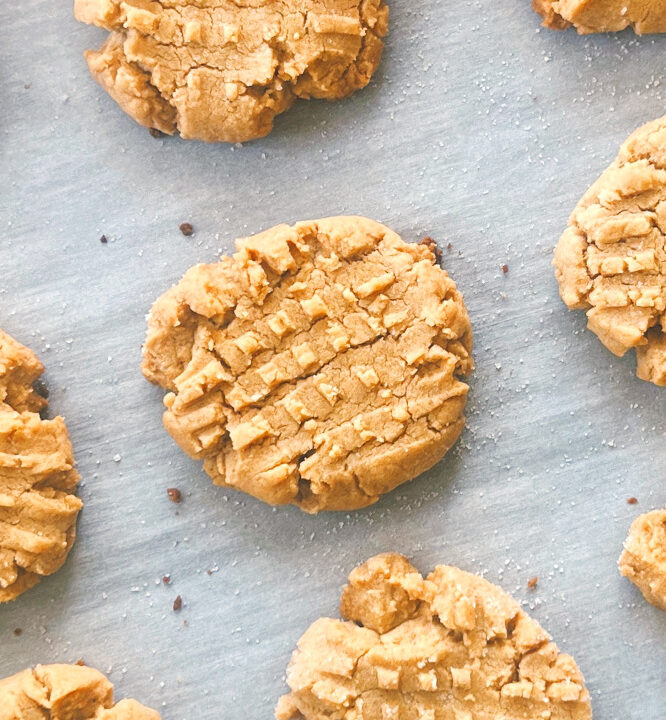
(611, 260)
(320, 365)
(450, 646)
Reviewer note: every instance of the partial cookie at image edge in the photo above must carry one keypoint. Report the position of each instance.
(643, 559)
(600, 16)
(611, 259)
(38, 507)
(451, 644)
(65, 692)
(223, 73)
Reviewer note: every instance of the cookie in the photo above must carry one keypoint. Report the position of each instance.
(38, 509)
(600, 16)
(450, 646)
(320, 365)
(643, 559)
(65, 692)
(611, 260)
(222, 70)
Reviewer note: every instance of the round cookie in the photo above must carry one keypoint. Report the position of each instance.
(222, 70)
(319, 366)
(643, 559)
(611, 260)
(65, 692)
(38, 509)
(452, 645)
(600, 16)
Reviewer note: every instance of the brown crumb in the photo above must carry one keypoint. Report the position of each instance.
(632, 501)
(505, 269)
(103, 240)
(432, 246)
(177, 603)
(185, 623)
(154, 132)
(41, 389)
(186, 229)
(532, 582)
(174, 495)
(166, 579)
(26, 86)
(449, 247)
(80, 662)
(18, 632)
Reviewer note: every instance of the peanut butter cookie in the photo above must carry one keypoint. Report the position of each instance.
(449, 646)
(611, 260)
(600, 16)
(643, 560)
(65, 692)
(38, 509)
(319, 366)
(221, 70)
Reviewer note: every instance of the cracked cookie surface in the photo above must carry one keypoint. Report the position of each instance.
(600, 16)
(643, 559)
(451, 646)
(611, 260)
(65, 692)
(38, 508)
(319, 366)
(219, 70)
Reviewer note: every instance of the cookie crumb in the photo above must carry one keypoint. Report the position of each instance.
(532, 582)
(186, 229)
(174, 495)
(154, 132)
(632, 501)
(505, 269)
(41, 389)
(80, 662)
(432, 246)
(103, 240)
(18, 632)
(177, 603)
(166, 579)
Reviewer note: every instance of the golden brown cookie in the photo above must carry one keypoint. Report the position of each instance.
(38, 509)
(221, 70)
(643, 559)
(600, 16)
(319, 366)
(65, 692)
(447, 647)
(611, 260)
